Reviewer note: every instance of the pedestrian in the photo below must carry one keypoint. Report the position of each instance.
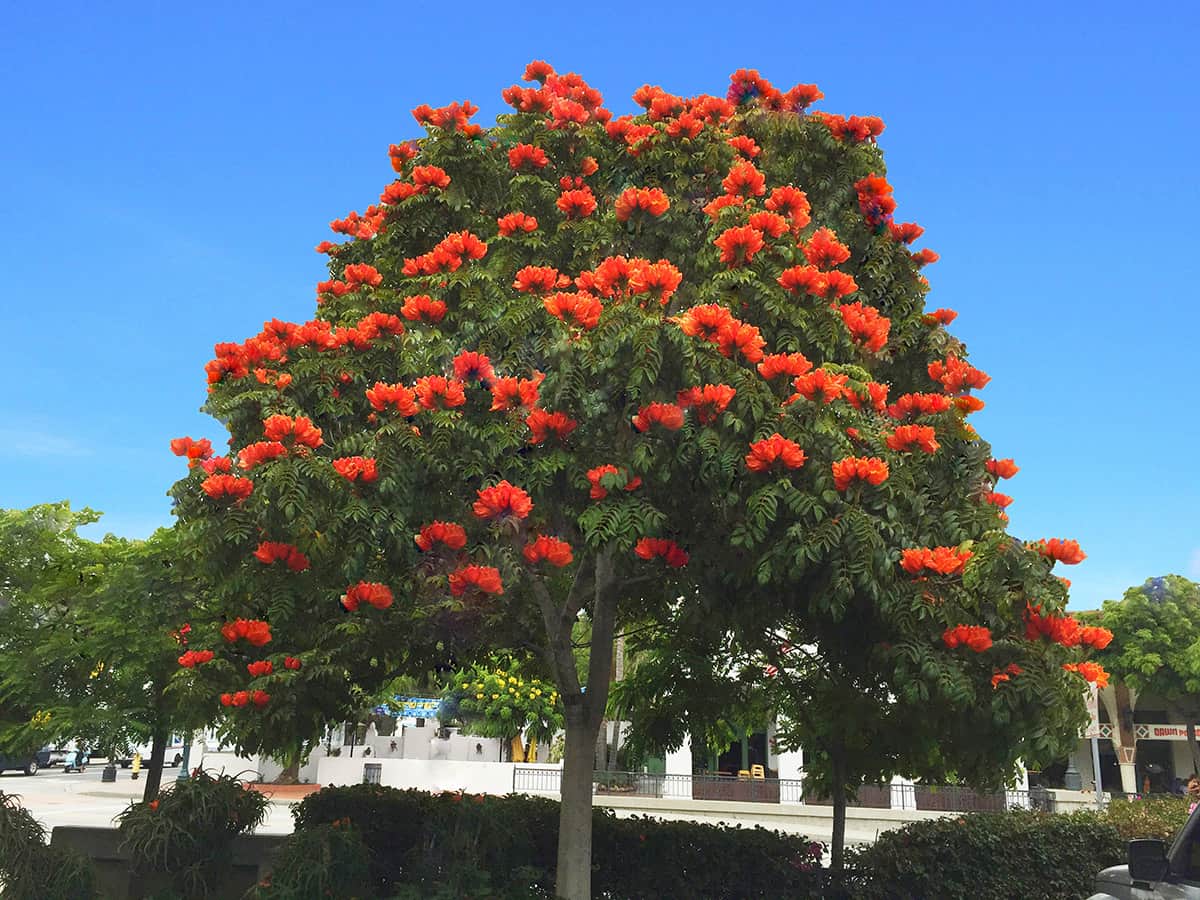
(1193, 790)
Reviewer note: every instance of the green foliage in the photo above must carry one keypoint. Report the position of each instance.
(501, 702)
(986, 856)
(483, 846)
(31, 870)
(1156, 639)
(323, 861)
(1152, 817)
(186, 832)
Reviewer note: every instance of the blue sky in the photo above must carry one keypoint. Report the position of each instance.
(166, 172)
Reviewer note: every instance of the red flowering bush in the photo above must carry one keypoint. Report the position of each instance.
(682, 353)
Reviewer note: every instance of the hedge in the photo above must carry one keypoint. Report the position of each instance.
(455, 845)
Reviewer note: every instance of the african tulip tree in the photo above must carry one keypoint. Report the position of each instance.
(569, 366)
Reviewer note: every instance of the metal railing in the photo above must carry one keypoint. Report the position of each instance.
(940, 798)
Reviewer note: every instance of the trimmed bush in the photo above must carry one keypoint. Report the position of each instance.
(323, 861)
(987, 856)
(30, 870)
(1155, 817)
(462, 846)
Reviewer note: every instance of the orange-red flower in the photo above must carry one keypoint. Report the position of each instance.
(599, 492)
(905, 232)
(356, 468)
(215, 464)
(484, 579)
(906, 437)
(765, 453)
(291, 663)
(513, 393)
(769, 223)
(358, 274)
(513, 222)
(392, 396)
(1095, 636)
(661, 277)
(745, 145)
(439, 392)
(1089, 671)
(1001, 500)
(538, 279)
(743, 338)
(709, 401)
(866, 325)
(957, 375)
(542, 424)
(870, 469)
(300, 429)
(824, 250)
(502, 500)
(425, 177)
(1064, 630)
(725, 201)
(705, 322)
(527, 156)
(652, 201)
(219, 486)
(739, 245)
(577, 204)
(942, 560)
(1002, 468)
(924, 257)
(579, 308)
(193, 658)
(744, 180)
(260, 452)
(975, 637)
(875, 199)
(1066, 552)
(372, 325)
(998, 676)
(472, 366)
(259, 668)
(821, 384)
(875, 397)
(253, 631)
(939, 317)
(790, 364)
(918, 404)
(672, 554)
(668, 415)
(269, 552)
(423, 308)
(450, 534)
(377, 595)
(810, 280)
(551, 549)
(790, 202)
(195, 451)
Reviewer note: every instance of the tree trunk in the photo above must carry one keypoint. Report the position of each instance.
(158, 750)
(574, 881)
(618, 673)
(291, 772)
(837, 843)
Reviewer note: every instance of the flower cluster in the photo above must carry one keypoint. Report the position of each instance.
(484, 579)
(1064, 630)
(866, 326)
(539, 279)
(652, 201)
(974, 637)
(377, 595)
(957, 375)
(502, 500)
(447, 256)
(195, 451)
(551, 549)
(789, 364)
(579, 308)
(942, 560)
(577, 203)
(452, 117)
(824, 251)
(907, 405)
(300, 430)
(392, 396)
(423, 308)
(820, 384)
(810, 280)
(599, 492)
(253, 631)
(1089, 671)
(527, 156)
(244, 698)
(1063, 551)
(269, 552)
(870, 469)
(666, 415)
(472, 366)
(739, 245)
(709, 401)
(542, 424)
(670, 552)
(449, 534)
(1002, 675)
(260, 452)
(1002, 468)
(193, 658)
(220, 486)
(513, 222)
(776, 449)
(291, 663)
(875, 200)
(259, 668)
(439, 392)
(356, 468)
(514, 393)
(852, 129)
(906, 437)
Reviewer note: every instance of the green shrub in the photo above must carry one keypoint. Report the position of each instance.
(461, 846)
(323, 861)
(1155, 817)
(30, 870)
(187, 831)
(987, 856)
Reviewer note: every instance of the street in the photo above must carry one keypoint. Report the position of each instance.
(59, 798)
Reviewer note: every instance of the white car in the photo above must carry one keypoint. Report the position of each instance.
(1156, 871)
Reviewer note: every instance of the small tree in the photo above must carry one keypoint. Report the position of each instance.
(503, 702)
(583, 366)
(1156, 645)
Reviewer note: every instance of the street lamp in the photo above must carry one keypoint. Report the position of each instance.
(184, 762)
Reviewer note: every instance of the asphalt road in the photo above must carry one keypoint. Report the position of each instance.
(57, 798)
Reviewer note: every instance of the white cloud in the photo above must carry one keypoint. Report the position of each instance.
(34, 442)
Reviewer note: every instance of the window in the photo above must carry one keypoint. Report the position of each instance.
(372, 773)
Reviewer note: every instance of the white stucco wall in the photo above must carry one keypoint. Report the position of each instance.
(426, 775)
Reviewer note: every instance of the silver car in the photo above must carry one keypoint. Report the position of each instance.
(1156, 872)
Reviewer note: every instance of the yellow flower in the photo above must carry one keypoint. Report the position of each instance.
(512, 680)
(465, 686)
(479, 696)
(495, 696)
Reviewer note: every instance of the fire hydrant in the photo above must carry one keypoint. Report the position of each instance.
(137, 765)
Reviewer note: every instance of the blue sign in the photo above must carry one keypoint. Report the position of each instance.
(412, 708)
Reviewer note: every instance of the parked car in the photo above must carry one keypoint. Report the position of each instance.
(27, 763)
(1156, 871)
